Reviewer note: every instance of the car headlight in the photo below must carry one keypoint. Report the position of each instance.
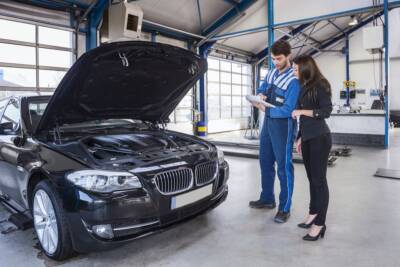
(220, 156)
(104, 181)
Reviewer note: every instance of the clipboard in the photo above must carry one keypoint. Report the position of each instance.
(257, 99)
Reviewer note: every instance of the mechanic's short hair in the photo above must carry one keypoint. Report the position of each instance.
(281, 47)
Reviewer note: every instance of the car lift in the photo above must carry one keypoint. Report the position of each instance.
(16, 219)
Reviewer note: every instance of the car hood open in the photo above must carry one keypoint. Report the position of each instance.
(134, 79)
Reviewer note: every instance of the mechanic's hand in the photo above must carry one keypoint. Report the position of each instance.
(262, 96)
(298, 146)
(259, 106)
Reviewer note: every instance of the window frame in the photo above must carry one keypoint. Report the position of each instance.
(37, 46)
(220, 84)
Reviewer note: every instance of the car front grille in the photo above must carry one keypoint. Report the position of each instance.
(206, 172)
(174, 181)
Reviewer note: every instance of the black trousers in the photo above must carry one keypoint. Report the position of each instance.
(315, 155)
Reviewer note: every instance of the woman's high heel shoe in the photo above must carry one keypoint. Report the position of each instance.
(307, 225)
(315, 238)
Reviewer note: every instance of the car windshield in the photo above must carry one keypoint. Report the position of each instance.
(36, 108)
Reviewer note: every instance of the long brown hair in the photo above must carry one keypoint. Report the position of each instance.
(311, 77)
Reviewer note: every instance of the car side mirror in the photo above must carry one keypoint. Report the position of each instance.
(6, 127)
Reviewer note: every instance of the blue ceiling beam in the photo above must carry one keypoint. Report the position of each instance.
(356, 11)
(239, 33)
(302, 27)
(232, 2)
(66, 4)
(169, 32)
(49, 4)
(304, 21)
(77, 3)
(229, 15)
(181, 35)
(336, 26)
(347, 32)
(297, 30)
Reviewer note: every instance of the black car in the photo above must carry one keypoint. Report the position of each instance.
(93, 165)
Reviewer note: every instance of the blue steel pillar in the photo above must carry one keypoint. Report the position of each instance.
(347, 71)
(386, 46)
(202, 124)
(94, 20)
(204, 49)
(271, 37)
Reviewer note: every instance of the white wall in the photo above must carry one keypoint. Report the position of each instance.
(183, 127)
(171, 41)
(333, 66)
(227, 125)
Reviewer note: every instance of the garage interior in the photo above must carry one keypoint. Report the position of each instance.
(357, 47)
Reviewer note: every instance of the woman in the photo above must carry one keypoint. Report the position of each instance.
(314, 140)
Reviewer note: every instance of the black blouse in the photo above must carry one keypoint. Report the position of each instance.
(321, 105)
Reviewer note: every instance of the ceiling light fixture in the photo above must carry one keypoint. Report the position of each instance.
(354, 21)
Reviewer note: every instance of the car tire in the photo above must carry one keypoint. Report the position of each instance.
(49, 217)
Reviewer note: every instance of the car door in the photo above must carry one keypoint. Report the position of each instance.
(3, 104)
(11, 174)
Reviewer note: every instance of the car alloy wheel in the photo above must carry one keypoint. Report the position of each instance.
(45, 221)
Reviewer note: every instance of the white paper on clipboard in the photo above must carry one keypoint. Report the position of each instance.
(257, 99)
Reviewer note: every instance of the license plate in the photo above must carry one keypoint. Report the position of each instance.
(191, 197)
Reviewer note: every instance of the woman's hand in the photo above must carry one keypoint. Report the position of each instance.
(298, 146)
(296, 113)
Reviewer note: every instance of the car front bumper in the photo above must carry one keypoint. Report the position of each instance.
(135, 214)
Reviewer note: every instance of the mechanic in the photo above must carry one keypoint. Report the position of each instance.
(280, 88)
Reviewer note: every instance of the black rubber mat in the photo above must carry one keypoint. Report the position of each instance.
(253, 154)
(6, 226)
(388, 173)
(335, 152)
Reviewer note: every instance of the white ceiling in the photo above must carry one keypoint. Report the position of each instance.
(255, 16)
(184, 15)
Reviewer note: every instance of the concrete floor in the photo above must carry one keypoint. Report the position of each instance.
(363, 222)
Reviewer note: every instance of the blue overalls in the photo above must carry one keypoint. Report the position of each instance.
(277, 136)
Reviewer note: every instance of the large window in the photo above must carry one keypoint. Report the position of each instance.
(33, 57)
(183, 112)
(227, 85)
(263, 73)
